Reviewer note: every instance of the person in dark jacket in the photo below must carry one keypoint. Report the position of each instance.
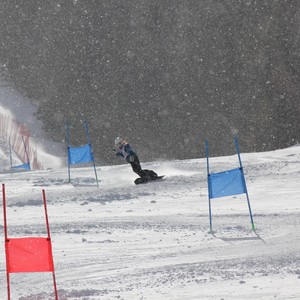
(123, 149)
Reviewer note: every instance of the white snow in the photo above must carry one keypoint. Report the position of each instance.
(152, 241)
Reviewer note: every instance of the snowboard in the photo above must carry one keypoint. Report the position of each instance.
(144, 180)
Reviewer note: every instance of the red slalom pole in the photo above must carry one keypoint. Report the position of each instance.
(6, 240)
(49, 237)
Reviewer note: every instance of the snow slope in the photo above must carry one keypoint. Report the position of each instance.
(152, 241)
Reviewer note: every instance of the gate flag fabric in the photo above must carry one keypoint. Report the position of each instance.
(31, 254)
(80, 154)
(28, 254)
(227, 183)
(23, 166)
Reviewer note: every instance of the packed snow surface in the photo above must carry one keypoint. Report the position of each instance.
(152, 241)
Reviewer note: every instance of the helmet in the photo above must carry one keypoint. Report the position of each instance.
(118, 141)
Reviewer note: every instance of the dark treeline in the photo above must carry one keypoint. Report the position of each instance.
(165, 74)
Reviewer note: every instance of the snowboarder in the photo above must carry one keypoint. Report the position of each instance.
(123, 149)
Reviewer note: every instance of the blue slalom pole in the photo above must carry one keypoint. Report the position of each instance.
(244, 181)
(68, 141)
(209, 187)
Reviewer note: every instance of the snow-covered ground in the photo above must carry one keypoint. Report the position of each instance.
(152, 241)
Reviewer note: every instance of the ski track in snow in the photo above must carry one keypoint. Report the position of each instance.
(152, 241)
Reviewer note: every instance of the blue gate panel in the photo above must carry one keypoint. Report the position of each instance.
(23, 166)
(82, 154)
(226, 183)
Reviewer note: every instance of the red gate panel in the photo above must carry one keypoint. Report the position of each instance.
(32, 254)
